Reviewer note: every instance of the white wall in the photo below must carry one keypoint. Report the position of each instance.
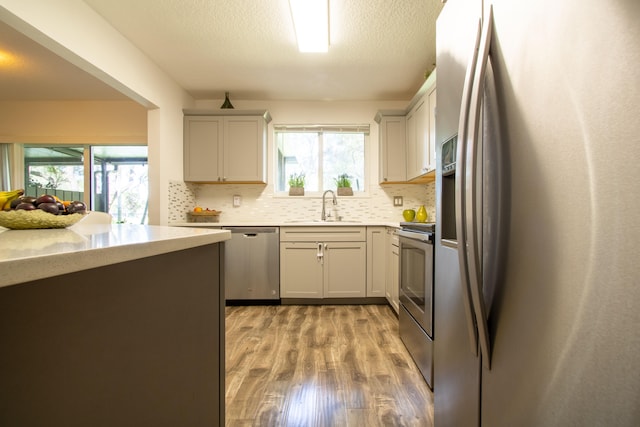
(74, 31)
(77, 122)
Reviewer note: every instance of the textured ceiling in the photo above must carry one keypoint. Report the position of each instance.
(380, 50)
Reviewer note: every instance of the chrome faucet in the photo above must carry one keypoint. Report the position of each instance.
(323, 217)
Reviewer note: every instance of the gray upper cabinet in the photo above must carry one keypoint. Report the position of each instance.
(421, 126)
(225, 146)
(407, 144)
(202, 148)
(432, 129)
(422, 137)
(392, 143)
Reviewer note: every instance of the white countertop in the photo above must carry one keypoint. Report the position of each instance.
(36, 254)
(301, 223)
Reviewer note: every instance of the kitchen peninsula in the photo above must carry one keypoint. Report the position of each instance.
(108, 325)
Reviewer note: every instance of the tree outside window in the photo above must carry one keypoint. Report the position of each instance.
(118, 177)
(322, 153)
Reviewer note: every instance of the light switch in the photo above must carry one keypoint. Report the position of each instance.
(237, 200)
(397, 201)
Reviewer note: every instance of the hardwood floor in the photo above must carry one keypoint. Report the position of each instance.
(321, 366)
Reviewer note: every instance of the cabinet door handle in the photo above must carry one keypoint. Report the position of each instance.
(320, 253)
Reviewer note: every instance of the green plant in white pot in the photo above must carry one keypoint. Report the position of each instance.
(296, 184)
(343, 182)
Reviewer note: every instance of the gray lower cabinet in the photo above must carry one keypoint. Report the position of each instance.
(393, 268)
(376, 261)
(323, 262)
(301, 273)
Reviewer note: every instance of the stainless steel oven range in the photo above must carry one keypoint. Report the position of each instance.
(416, 293)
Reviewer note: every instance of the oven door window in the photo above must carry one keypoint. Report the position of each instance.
(416, 281)
(413, 280)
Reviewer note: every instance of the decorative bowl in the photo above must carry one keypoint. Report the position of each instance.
(25, 220)
(204, 216)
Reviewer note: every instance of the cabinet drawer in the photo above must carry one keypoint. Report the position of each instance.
(323, 234)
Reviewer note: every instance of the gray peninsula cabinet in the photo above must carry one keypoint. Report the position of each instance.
(133, 343)
(225, 146)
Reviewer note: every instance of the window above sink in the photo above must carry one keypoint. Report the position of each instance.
(322, 153)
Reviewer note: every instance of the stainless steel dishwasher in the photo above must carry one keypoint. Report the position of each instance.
(252, 264)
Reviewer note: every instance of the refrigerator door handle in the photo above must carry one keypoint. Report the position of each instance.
(473, 219)
(460, 185)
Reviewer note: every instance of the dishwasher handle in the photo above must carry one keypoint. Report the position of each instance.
(252, 231)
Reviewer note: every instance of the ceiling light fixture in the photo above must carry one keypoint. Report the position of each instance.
(311, 22)
(7, 59)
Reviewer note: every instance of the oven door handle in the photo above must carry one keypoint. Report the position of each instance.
(426, 238)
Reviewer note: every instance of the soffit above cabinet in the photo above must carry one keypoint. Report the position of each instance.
(426, 87)
(229, 112)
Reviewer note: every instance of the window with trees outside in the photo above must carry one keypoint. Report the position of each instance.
(115, 177)
(321, 153)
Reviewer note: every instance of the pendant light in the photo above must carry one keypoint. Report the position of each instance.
(227, 103)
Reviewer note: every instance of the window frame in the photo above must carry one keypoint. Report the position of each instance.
(321, 129)
(88, 166)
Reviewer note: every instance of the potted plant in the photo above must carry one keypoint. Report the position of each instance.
(344, 185)
(296, 184)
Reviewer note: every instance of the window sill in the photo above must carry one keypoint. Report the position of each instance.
(316, 195)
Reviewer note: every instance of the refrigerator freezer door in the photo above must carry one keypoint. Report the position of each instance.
(456, 381)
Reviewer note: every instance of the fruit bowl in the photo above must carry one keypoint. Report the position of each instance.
(25, 220)
(204, 216)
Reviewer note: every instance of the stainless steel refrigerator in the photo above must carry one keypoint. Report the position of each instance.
(537, 271)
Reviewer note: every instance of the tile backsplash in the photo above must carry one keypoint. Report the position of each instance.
(260, 204)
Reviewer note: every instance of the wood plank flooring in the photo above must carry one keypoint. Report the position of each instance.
(321, 366)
